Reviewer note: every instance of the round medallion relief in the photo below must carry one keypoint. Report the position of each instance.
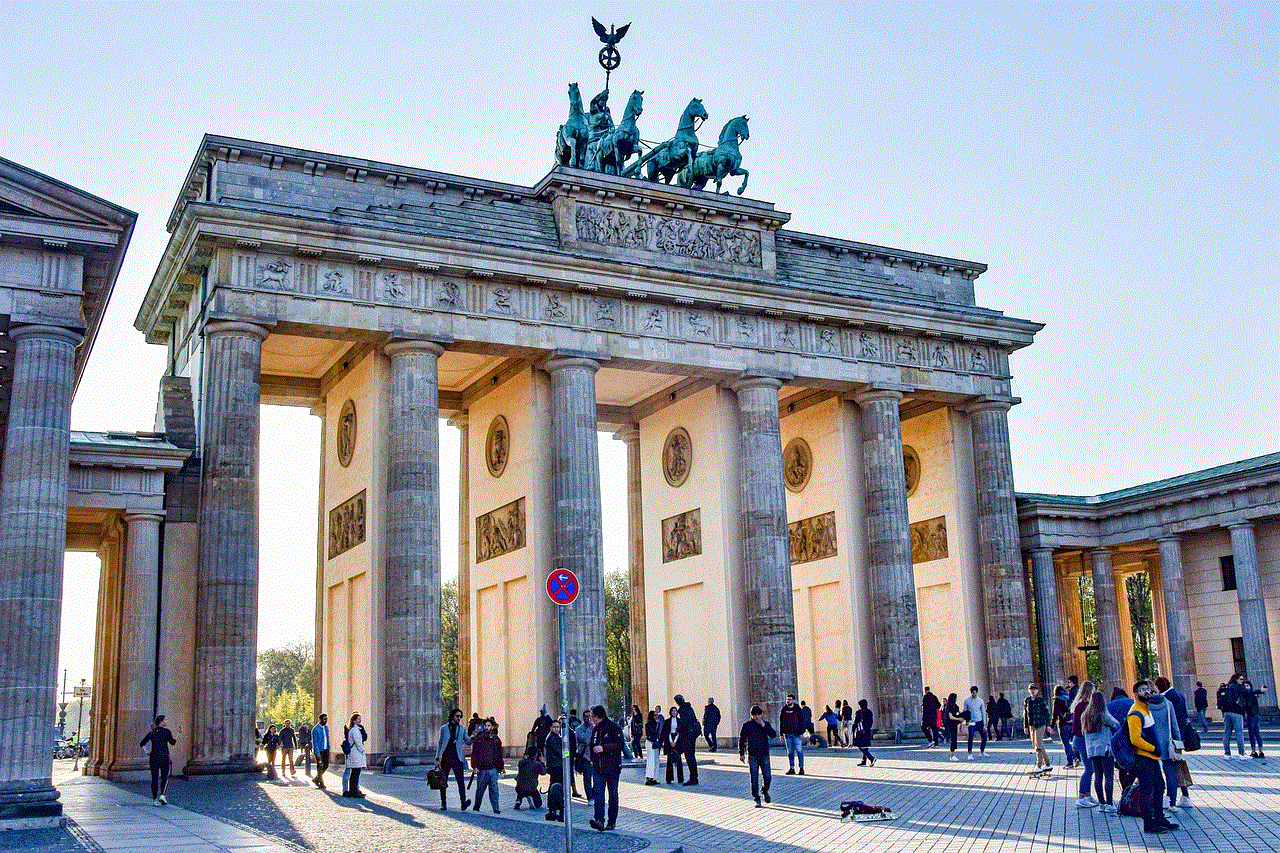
(677, 456)
(797, 464)
(497, 446)
(346, 438)
(910, 468)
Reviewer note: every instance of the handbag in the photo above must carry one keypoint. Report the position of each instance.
(437, 779)
(1190, 739)
(1184, 774)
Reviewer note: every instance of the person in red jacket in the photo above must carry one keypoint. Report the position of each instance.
(486, 760)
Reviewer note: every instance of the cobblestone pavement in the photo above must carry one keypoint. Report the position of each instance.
(942, 806)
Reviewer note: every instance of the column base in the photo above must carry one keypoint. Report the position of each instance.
(30, 805)
(239, 766)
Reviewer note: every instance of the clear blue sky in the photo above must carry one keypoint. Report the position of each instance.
(1115, 165)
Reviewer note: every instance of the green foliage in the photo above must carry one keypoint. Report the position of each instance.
(296, 705)
(306, 678)
(280, 669)
(1089, 615)
(1142, 624)
(449, 645)
(617, 640)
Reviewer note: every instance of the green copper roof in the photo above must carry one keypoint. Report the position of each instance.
(1257, 463)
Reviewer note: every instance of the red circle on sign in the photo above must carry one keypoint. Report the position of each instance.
(562, 586)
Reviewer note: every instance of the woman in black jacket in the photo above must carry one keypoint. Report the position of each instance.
(653, 738)
(862, 732)
(951, 719)
(157, 743)
(637, 730)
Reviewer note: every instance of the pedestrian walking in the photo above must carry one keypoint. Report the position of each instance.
(304, 744)
(846, 723)
(832, 719)
(606, 764)
(753, 749)
(271, 745)
(1099, 727)
(288, 743)
(1201, 697)
(449, 756)
(637, 730)
(486, 760)
(930, 708)
(670, 745)
(1142, 734)
(653, 743)
(975, 712)
(710, 722)
(1078, 744)
(1004, 718)
(157, 743)
(862, 728)
(356, 735)
(791, 722)
(320, 743)
(951, 719)
(583, 735)
(1035, 719)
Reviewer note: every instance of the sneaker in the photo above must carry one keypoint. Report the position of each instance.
(694, 781)
(596, 825)
(1102, 809)
(791, 772)
(164, 801)
(157, 801)
(801, 773)
(1186, 803)
(1155, 830)
(497, 811)
(953, 757)
(1168, 824)
(971, 756)
(758, 805)
(465, 804)
(1086, 803)
(873, 762)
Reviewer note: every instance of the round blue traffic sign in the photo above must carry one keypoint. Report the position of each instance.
(562, 586)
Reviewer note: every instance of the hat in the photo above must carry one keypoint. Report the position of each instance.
(679, 699)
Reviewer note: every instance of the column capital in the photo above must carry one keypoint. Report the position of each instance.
(1242, 523)
(51, 333)
(877, 395)
(564, 360)
(990, 404)
(1167, 536)
(1099, 551)
(460, 420)
(746, 383)
(629, 434)
(235, 328)
(132, 515)
(400, 346)
(1041, 550)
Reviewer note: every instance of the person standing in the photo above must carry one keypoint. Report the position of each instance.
(976, 711)
(449, 756)
(1035, 719)
(710, 722)
(356, 760)
(791, 722)
(670, 745)
(1119, 707)
(1073, 690)
(929, 708)
(1201, 697)
(1168, 741)
(1062, 722)
(304, 744)
(1232, 705)
(1249, 707)
(553, 749)
(606, 764)
(637, 730)
(951, 719)
(832, 719)
(653, 743)
(688, 742)
(1141, 730)
(846, 723)
(486, 760)
(753, 749)
(320, 743)
(583, 735)
(1084, 801)
(271, 745)
(1004, 719)
(288, 743)
(1098, 727)
(806, 714)
(157, 743)
(862, 727)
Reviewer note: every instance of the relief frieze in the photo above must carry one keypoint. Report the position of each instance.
(813, 538)
(668, 236)
(682, 535)
(929, 540)
(346, 525)
(500, 531)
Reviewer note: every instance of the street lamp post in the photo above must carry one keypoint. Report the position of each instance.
(82, 691)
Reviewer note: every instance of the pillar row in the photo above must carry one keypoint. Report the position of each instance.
(226, 647)
(1182, 654)
(637, 631)
(33, 537)
(895, 621)
(1053, 659)
(139, 612)
(770, 653)
(1106, 611)
(412, 578)
(577, 540)
(1253, 612)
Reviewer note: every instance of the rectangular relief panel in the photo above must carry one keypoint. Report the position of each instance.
(929, 540)
(813, 538)
(500, 531)
(346, 525)
(682, 535)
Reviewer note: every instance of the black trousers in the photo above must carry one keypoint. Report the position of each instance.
(1151, 786)
(711, 738)
(450, 761)
(689, 750)
(930, 732)
(322, 763)
(159, 776)
(674, 764)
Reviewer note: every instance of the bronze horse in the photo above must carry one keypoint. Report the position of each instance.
(668, 158)
(571, 138)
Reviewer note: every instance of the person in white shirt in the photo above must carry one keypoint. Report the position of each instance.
(976, 711)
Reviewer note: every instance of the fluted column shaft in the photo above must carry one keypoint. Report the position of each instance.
(227, 557)
(33, 537)
(1048, 620)
(999, 556)
(1106, 610)
(139, 611)
(1182, 654)
(637, 630)
(1253, 612)
(895, 620)
(578, 542)
(766, 555)
(412, 649)
(464, 561)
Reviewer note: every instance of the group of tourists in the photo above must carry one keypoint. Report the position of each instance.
(975, 715)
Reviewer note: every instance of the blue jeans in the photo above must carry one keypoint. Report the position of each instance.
(795, 747)
(1064, 731)
(1251, 725)
(1086, 777)
(605, 780)
(759, 765)
(1103, 778)
(1204, 724)
(980, 729)
(1171, 781)
(1232, 722)
(487, 778)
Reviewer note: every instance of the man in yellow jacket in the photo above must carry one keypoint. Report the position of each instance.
(1142, 734)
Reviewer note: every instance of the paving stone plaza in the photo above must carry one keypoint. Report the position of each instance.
(942, 806)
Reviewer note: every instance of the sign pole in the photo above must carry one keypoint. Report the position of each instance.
(564, 741)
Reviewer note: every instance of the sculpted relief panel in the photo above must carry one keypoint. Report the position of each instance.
(501, 531)
(682, 535)
(346, 525)
(667, 236)
(813, 538)
(929, 540)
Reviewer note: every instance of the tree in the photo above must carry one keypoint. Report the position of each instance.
(617, 640)
(279, 668)
(449, 645)
(306, 679)
(296, 705)
(1142, 624)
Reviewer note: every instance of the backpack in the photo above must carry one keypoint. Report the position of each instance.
(555, 798)
(1131, 801)
(1122, 748)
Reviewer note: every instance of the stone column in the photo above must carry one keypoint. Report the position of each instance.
(1048, 620)
(1128, 654)
(577, 540)
(460, 421)
(1253, 613)
(33, 538)
(999, 556)
(770, 655)
(1074, 660)
(895, 622)
(225, 704)
(1182, 653)
(139, 612)
(635, 533)
(1106, 611)
(412, 580)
